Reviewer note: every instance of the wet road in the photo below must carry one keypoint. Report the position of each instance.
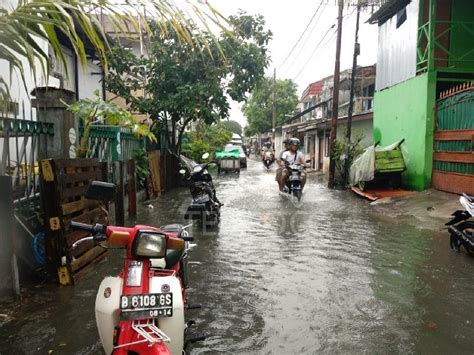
(326, 276)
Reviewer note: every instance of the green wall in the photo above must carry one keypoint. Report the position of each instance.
(406, 110)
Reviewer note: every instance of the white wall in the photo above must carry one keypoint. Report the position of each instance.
(396, 58)
(90, 81)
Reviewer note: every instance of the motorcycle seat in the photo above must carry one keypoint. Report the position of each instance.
(171, 259)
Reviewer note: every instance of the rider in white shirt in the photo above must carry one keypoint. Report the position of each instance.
(292, 156)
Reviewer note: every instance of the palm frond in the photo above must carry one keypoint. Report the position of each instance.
(78, 21)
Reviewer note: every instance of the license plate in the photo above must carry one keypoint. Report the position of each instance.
(294, 177)
(201, 199)
(145, 306)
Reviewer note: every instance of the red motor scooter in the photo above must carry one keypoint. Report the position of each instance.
(142, 310)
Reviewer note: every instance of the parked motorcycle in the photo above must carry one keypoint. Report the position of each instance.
(268, 159)
(461, 227)
(293, 183)
(205, 206)
(143, 309)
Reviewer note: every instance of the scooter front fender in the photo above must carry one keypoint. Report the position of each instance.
(107, 310)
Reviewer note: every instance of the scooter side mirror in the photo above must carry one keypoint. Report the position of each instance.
(205, 156)
(101, 191)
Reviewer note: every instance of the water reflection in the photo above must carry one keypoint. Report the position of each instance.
(327, 276)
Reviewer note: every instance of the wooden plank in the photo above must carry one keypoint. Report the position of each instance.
(82, 248)
(76, 206)
(119, 195)
(389, 165)
(77, 163)
(72, 207)
(455, 157)
(86, 258)
(74, 235)
(93, 216)
(76, 191)
(49, 197)
(84, 176)
(132, 189)
(388, 154)
(455, 135)
(104, 169)
(154, 165)
(453, 182)
(90, 267)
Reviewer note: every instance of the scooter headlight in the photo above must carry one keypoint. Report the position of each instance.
(149, 244)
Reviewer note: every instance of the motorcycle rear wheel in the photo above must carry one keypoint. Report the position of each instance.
(298, 194)
(468, 229)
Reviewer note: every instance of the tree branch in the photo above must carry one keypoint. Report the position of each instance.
(181, 132)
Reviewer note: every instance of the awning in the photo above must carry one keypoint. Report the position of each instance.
(387, 11)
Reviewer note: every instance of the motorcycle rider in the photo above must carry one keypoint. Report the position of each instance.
(267, 148)
(286, 146)
(292, 156)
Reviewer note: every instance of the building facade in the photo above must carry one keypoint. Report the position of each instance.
(313, 124)
(426, 48)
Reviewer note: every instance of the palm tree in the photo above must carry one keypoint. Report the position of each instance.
(30, 20)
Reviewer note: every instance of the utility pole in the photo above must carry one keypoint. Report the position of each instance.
(273, 109)
(335, 96)
(351, 99)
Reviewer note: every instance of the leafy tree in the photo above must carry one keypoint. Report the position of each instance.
(208, 139)
(180, 83)
(77, 20)
(258, 109)
(232, 126)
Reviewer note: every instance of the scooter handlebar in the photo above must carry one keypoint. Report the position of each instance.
(93, 228)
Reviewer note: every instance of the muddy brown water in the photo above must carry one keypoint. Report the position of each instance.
(326, 276)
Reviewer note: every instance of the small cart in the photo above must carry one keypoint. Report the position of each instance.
(389, 165)
(228, 161)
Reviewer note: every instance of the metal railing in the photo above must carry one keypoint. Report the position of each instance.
(112, 144)
(433, 49)
(21, 141)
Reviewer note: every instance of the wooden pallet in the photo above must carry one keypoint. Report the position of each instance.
(63, 185)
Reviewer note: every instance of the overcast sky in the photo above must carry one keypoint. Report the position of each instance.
(313, 58)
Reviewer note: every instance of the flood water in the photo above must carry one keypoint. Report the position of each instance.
(327, 276)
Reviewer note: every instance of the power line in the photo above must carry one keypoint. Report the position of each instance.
(301, 36)
(306, 40)
(319, 43)
(314, 51)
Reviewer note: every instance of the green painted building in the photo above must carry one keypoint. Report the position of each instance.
(425, 49)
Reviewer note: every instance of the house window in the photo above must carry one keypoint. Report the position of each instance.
(401, 16)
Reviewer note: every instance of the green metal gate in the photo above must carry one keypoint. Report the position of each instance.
(453, 158)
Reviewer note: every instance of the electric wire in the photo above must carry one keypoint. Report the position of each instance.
(314, 51)
(301, 36)
(296, 56)
(319, 43)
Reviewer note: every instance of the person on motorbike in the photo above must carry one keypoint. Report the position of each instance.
(292, 156)
(286, 146)
(267, 148)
